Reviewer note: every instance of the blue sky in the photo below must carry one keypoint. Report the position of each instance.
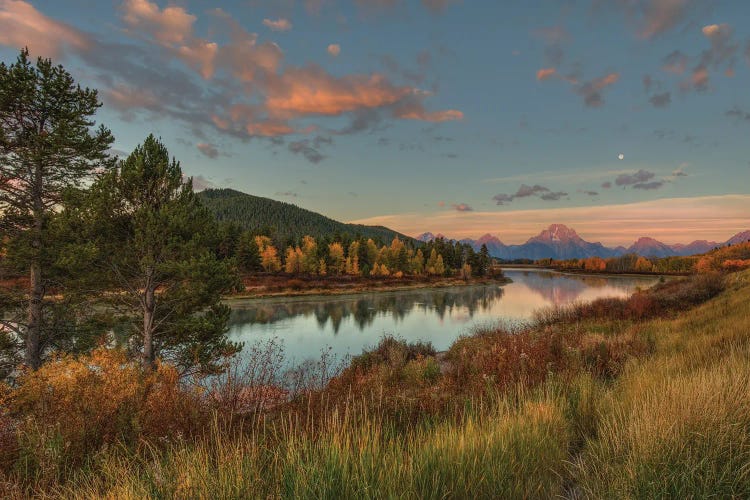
(461, 117)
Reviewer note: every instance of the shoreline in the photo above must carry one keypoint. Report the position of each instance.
(363, 286)
(588, 272)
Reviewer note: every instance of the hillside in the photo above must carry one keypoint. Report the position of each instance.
(284, 220)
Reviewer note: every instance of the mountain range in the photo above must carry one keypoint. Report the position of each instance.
(561, 242)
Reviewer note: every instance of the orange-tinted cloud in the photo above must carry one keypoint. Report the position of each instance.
(269, 129)
(334, 49)
(545, 73)
(605, 81)
(125, 97)
(675, 62)
(699, 78)
(312, 91)
(200, 55)
(172, 25)
(592, 91)
(417, 112)
(660, 16)
(280, 24)
(716, 30)
(21, 25)
(265, 98)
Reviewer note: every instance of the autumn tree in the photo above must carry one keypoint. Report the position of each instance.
(336, 258)
(47, 144)
(435, 264)
(309, 255)
(417, 262)
(293, 260)
(352, 259)
(269, 256)
(643, 265)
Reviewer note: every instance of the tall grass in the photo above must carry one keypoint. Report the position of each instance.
(502, 446)
(678, 424)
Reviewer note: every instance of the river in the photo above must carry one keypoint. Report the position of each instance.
(345, 324)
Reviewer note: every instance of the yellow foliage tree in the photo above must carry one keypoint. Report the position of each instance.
(416, 263)
(336, 258)
(293, 263)
(352, 260)
(269, 256)
(643, 265)
(309, 255)
(322, 267)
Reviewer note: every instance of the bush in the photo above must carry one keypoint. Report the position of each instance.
(71, 408)
(392, 351)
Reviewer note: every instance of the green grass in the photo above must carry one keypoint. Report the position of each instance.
(673, 421)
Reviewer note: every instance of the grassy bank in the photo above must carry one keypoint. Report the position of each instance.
(262, 286)
(643, 397)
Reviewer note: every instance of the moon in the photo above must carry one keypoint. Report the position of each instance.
(621, 156)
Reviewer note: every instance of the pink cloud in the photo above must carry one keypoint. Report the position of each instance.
(659, 16)
(334, 49)
(124, 98)
(419, 113)
(280, 24)
(313, 91)
(21, 25)
(171, 26)
(545, 74)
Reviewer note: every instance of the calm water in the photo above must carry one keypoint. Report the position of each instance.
(348, 323)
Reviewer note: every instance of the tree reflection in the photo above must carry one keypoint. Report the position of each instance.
(366, 307)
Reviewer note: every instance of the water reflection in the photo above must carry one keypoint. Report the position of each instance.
(364, 308)
(348, 323)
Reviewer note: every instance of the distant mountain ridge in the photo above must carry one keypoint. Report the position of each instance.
(561, 242)
(285, 220)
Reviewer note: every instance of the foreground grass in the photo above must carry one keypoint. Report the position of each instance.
(668, 418)
(678, 423)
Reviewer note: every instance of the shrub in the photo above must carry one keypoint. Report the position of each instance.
(392, 351)
(72, 407)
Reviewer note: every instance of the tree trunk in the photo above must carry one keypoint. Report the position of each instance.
(36, 286)
(148, 324)
(33, 335)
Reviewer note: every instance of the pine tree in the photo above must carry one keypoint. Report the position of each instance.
(46, 146)
(248, 253)
(154, 242)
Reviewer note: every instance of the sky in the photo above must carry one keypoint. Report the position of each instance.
(620, 118)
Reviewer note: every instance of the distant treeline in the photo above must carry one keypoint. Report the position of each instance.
(354, 256)
(729, 258)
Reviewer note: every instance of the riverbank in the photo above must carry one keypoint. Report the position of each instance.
(589, 272)
(272, 285)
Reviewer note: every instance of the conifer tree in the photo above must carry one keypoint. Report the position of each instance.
(47, 144)
(149, 237)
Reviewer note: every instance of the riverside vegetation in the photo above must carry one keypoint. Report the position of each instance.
(119, 380)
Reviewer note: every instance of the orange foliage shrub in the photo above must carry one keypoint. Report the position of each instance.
(736, 264)
(71, 407)
(595, 264)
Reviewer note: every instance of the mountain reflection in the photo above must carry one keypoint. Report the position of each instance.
(366, 307)
(558, 289)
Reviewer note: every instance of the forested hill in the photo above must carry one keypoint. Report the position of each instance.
(284, 221)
